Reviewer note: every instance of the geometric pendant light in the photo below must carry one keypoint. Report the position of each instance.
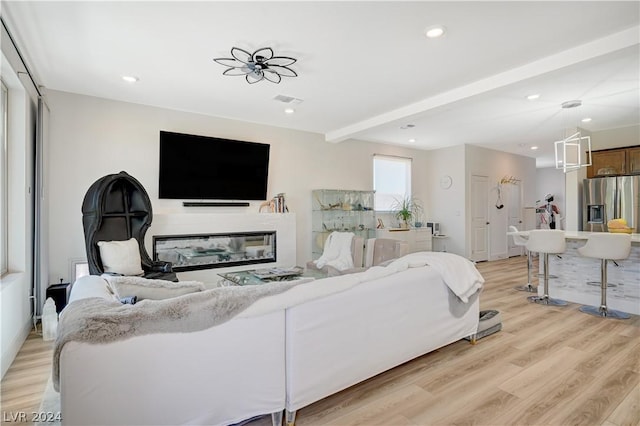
(574, 151)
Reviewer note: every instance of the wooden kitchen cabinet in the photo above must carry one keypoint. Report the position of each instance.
(633, 160)
(623, 161)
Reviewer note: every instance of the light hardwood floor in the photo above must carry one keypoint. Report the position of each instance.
(548, 366)
(22, 387)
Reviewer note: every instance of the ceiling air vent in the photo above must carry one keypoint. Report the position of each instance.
(287, 99)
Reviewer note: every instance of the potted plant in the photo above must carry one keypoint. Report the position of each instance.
(407, 209)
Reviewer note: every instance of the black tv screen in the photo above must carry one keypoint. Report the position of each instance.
(206, 168)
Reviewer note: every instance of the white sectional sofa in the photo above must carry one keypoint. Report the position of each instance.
(340, 340)
(220, 375)
(283, 352)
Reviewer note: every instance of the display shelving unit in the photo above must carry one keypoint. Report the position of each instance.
(343, 211)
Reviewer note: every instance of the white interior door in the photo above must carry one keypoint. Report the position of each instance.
(514, 204)
(479, 218)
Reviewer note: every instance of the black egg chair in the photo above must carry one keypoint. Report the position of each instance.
(117, 208)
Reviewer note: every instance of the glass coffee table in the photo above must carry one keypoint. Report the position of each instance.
(266, 275)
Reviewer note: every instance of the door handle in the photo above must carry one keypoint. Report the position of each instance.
(487, 223)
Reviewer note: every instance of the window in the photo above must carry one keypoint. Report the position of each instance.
(4, 187)
(391, 180)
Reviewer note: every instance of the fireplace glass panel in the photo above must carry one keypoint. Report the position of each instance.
(207, 251)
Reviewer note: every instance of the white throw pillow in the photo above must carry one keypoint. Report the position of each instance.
(121, 257)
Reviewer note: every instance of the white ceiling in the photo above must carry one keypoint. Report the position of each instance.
(365, 68)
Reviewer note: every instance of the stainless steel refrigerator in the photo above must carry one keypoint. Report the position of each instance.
(609, 198)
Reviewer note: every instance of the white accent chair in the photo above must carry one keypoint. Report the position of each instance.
(605, 246)
(546, 241)
(380, 250)
(521, 241)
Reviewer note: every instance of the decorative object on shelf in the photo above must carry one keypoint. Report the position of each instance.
(275, 205)
(445, 182)
(406, 209)
(257, 66)
(606, 171)
(266, 205)
(342, 211)
(280, 203)
(380, 224)
(569, 150)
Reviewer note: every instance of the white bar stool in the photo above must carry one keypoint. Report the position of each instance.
(521, 241)
(605, 246)
(546, 241)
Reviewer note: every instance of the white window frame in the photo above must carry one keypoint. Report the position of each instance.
(78, 268)
(4, 182)
(387, 192)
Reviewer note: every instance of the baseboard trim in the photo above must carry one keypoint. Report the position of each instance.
(9, 354)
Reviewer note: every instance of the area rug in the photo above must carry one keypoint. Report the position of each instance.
(49, 407)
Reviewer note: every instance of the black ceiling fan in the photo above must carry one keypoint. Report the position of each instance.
(257, 66)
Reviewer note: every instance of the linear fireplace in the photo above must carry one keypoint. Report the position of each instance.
(207, 251)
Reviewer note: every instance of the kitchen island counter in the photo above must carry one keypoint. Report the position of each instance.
(578, 277)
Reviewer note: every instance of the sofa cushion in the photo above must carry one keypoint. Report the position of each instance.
(144, 288)
(121, 257)
(92, 286)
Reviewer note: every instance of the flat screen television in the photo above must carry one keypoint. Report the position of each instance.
(207, 168)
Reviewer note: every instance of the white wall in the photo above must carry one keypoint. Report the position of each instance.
(496, 165)
(615, 138)
(91, 137)
(447, 206)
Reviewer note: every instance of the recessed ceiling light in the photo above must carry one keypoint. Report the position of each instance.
(435, 31)
(412, 140)
(130, 78)
(586, 120)
(533, 97)
(534, 148)
(289, 110)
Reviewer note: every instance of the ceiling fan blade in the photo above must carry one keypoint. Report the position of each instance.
(283, 71)
(254, 77)
(265, 52)
(272, 76)
(241, 55)
(282, 61)
(229, 62)
(244, 70)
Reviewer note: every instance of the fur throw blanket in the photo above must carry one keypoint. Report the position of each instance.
(98, 320)
(143, 288)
